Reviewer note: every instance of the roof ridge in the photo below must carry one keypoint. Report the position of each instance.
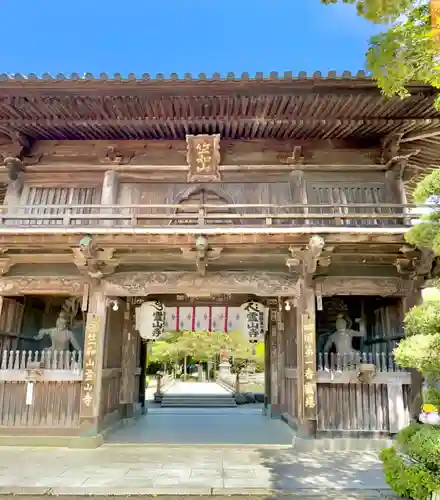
(272, 75)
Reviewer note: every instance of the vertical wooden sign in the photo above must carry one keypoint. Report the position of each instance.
(88, 390)
(309, 364)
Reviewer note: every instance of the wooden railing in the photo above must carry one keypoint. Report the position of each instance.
(46, 359)
(384, 361)
(40, 390)
(348, 403)
(268, 215)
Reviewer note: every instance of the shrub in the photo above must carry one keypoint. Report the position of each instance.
(415, 474)
(412, 481)
(404, 436)
(424, 446)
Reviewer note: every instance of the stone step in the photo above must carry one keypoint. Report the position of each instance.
(198, 401)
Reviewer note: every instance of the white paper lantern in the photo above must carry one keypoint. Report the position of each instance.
(150, 320)
(255, 320)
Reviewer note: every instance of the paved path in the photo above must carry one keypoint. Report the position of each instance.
(216, 426)
(204, 471)
(199, 388)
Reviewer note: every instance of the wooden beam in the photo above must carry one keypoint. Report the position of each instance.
(417, 136)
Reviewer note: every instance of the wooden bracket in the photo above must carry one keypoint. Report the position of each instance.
(413, 262)
(94, 261)
(306, 260)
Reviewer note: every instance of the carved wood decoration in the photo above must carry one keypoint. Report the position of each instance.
(305, 261)
(94, 261)
(203, 157)
(296, 157)
(113, 156)
(382, 287)
(201, 257)
(41, 286)
(413, 263)
(261, 284)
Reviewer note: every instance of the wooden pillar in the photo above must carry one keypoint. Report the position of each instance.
(274, 373)
(109, 193)
(127, 397)
(281, 362)
(414, 298)
(94, 339)
(306, 362)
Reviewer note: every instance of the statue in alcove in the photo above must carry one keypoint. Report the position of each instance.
(342, 338)
(60, 336)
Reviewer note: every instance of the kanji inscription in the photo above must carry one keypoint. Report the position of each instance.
(90, 359)
(203, 157)
(309, 350)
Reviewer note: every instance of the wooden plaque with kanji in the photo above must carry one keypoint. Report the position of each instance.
(203, 156)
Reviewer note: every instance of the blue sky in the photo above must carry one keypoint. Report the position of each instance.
(176, 36)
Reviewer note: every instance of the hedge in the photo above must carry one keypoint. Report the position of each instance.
(412, 468)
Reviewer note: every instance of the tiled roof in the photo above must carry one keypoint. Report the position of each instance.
(273, 75)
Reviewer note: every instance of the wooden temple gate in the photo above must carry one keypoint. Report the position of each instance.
(142, 189)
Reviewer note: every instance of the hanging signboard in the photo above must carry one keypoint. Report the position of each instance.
(150, 320)
(255, 320)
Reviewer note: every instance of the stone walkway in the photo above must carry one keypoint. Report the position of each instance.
(215, 426)
(202, 471)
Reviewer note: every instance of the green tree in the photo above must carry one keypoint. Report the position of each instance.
(426, 234)
(241, 354)
(420, 349)
(163, 353)
(406, 50)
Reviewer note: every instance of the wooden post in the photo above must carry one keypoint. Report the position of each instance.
(109, 193)
(396, 407)
(93, 364)
(281, 356)
(306, 368)
(128, 365)
(274, 374)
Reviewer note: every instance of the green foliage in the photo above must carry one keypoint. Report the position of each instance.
(417, 475)
(163, 352)
(259, 357)
(424, 446)
(427, 232)
(377, 11)
(423, 319)
(407, 433)
(406, 51)
(421, 348)
(202, 346)
(408, 480)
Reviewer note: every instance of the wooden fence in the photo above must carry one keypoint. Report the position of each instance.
(347, 405)
(271, 215)
(40, 390)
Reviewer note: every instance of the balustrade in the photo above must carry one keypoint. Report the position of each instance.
(271, 215)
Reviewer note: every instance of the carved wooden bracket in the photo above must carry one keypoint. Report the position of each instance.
(306, 260)
(115, 157)
(415, 263)
(201, 257)
(390, 146)
(5, 265)
(203, 157)
(296, 157)
(93, 261)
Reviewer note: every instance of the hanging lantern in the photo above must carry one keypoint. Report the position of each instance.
(150, 320)
(255, 319)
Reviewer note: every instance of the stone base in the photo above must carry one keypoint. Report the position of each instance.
(313, 445)
(88, 442)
